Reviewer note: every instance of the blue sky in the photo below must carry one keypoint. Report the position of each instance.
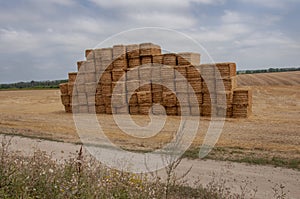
(43, 39)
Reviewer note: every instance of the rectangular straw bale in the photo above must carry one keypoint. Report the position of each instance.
(207, 71)
(158, 59)
(229, 83)
(70, 88)
(80, 65)
(72, 77)
(226, 70)
(225, 111)
(133, 51)
(170, 59)
(99, 99)
(156, 73)
(224, 98)
(132, 85)
(168, 85)
(106, 65)
(100, 109)
(144, 109)
(157, 110)
(106, 89)
(117, 74)
(181, 72)
(134, 62)
(207, 110)
(120, 63)
(106, 78)
(169, 99)
(181, 85)
(195, 110)
(119, 51)
(183, 98)
(157, 96)
(209, 98)
(74, 108)
(167, 73)
(106, 54)
(65, 99)
(134, 110)
(119, 87)
(63, 88)
(242, 96)
(193, 73)
(91, 100)
(89, 77)
(90, 88)
(132, 74)
(195, 97)
(146, 59)
(132, 99)
(145, 72)
(145, 87)
(82, 99)
(196, 85)
(208, 85)
(183, 110)
(108, 110)
(171, 110)
(89, 66)
(144, 97)
(74, 99)
(149, 49)
(122, 110)
(89, 54)
(187, 58)
(241, 110)
(80, 88)
(107, 99)
(119, 100)
(83, 108)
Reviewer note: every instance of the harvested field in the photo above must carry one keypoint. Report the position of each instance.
(271, 131)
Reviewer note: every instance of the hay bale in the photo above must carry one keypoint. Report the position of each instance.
(63, 88)
(68, 109)
(89, 66)
(144, 97)
(82, 99)
(106, 54)
(158, 110)
(132, 99)
(147, 49)
(65, 99)
(226, 70)
(157, 96)
(132, 75)
(119, 100)
(134, 62)
(144, 87)
(207, 110)
(222, 96)
(83, 108)
(156, 73)
(80, 64)
(187, 58)
(207, 71)
(89, 77)
(171, 110)
(132, 85)
(72, 77)
(120, 63)
(134, 110)
(181, 85)
(100, 109)
(107, 100)
(106, 78)
(208, 85)
(145, 72)
(117, 74)
(196, 85)
(229, 84)
(209, 98)
(108, 110)
(242, 96)
(182, 70)
(167, 73)
(122, 110)
(144, 109)
(197, 97)
(99, 99)
(71, 88)
(192, 73)
(157, 59)
(183, 110)
(89, 54)
(133, 51)
(225, 111)
(90, 88)
(168, 85)
(169, 99)
(146, 59)
(119, 51)
(195, 110)
(183, 98)
(241, 110)
(80, 88)
(91, 100)
(106, 65)
(170, 59)
(106, 89)
(120, 89)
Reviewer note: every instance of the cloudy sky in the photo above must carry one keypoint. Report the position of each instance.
(43, 39)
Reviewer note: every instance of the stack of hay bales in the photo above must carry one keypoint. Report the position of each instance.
(179, 83)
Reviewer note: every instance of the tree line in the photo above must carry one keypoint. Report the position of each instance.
(270, 70)
(33, 85)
